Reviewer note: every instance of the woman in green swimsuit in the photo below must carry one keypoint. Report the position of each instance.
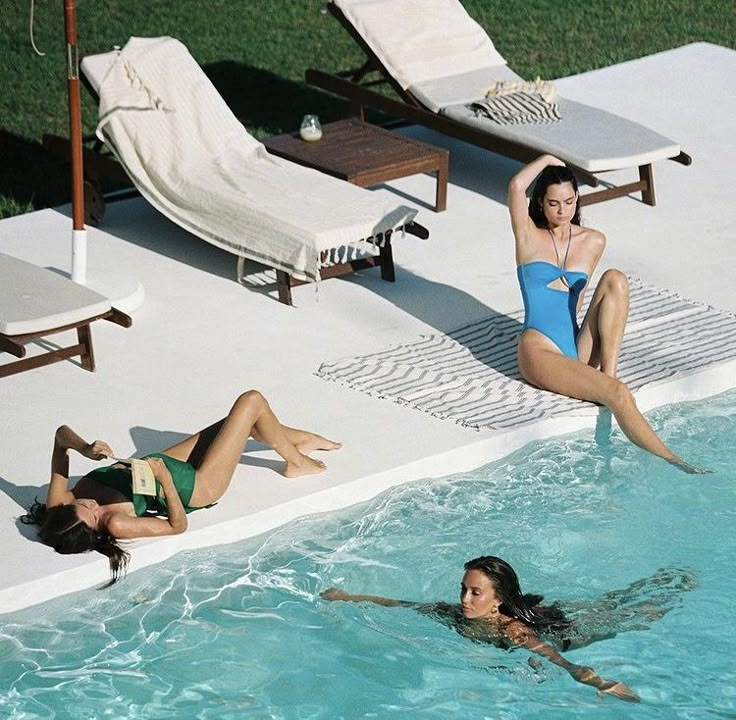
(195, 473)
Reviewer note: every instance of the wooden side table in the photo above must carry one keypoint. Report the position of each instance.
(365, 155)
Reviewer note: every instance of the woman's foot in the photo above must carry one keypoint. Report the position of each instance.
(304, 466)
(312, 441)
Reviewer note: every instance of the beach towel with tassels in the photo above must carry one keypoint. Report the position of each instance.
(471, 375)
(193, 160)
(519, 102)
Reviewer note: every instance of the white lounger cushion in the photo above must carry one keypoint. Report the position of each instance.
(33, 299)
(590, 138)
(194, 161)
(421, 40)
(460, 89)
(415, 39)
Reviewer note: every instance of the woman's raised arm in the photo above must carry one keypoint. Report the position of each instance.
(521, 223)
(65, 440)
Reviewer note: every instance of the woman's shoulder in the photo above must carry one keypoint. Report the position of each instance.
(591, 241)
(589, 235)
(516, 631)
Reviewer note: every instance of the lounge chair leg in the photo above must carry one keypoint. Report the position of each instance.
(357, 109)
(646, 175)
(283, 281)
(87, 354)
(440, 202)
(94, 203)
(8, 345)
(386, 259)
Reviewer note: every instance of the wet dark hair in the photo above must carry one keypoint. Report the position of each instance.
(60, 528)
(526, 608)
(551, 175)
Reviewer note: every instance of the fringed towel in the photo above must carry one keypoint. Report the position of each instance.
(193, 160)
(470, 376)
(519, 102)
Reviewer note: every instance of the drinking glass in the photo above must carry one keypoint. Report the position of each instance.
(311, 129)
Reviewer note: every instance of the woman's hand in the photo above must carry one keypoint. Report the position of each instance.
(160, 471)
(552, 160)
(619, 690)
(176, 515)
(334, 594)
(588, 676)
(66, 439)
(97, 450)
(338, 594)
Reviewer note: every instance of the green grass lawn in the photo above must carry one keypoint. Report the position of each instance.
(256, 52)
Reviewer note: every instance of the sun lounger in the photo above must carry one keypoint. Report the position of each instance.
(36, 303)
(439, 61)
(193, 160)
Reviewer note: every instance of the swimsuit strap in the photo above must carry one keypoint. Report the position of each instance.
(557, 254)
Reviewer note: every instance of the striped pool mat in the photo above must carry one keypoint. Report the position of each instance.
(470, 375)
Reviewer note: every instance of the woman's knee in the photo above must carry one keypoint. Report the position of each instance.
(620, 396)
(251, 400)
(615, 282)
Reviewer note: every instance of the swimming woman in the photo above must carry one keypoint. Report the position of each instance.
(493, 609)
(101, 508)
(555, 259)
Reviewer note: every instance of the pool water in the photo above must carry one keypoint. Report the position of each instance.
(240, 631)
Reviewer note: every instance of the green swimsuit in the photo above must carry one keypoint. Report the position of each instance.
(182, 473)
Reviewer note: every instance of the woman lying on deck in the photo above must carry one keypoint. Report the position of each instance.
(493, 610)
(195, 473)
(555, 259)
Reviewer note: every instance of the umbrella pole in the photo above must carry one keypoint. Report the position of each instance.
(79, 233)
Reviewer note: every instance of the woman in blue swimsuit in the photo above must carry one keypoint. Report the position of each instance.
(195, 473)
(555, 259)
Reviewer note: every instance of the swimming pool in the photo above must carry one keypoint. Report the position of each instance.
(240, 632)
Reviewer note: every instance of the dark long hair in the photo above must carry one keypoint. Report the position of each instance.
(61, 528)
(525, 608)
(551, 175)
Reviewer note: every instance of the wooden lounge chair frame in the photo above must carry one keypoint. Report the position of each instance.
(101, 165)
(355, 86)
(384, 260)
(15, 344)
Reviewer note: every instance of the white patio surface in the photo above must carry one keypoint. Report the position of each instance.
(200, 338)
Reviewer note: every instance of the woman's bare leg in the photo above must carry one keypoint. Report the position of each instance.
(250, 411)
(303, 440)
(601, 334)
(547, 368)
(193, 448)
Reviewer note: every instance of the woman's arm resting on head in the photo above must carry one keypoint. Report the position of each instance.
(338, 594)
(521, 223)
(521, 635)
(65, 440)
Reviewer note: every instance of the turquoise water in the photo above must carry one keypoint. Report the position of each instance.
(239, 631)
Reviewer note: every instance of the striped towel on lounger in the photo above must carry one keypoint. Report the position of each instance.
(516, 103)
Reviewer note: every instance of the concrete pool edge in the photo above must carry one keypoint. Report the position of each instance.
(695, 386)
(464, 272)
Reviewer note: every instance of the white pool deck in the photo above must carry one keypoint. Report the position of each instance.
(200, 339)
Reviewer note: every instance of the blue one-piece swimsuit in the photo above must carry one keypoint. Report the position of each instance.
(548, 311)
